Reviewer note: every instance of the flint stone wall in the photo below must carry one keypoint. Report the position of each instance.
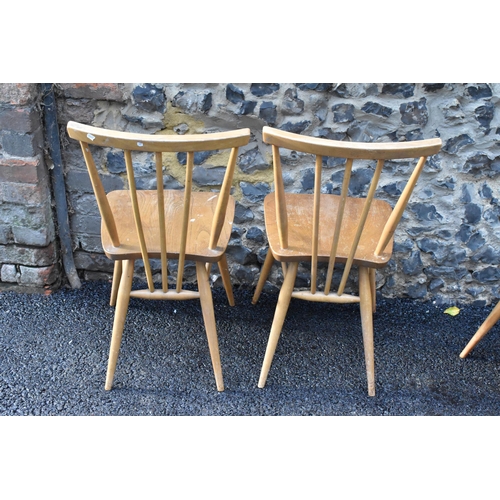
(447, 244)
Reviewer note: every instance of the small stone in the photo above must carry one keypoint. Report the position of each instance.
(268, 112)
(261, 89)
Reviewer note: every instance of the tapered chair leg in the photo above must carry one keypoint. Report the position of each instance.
(207, 308)
(226, 279)
(488, 324)
(279, 318)
(122, 302)
(366, 306)
(117, 274)
(264, 273)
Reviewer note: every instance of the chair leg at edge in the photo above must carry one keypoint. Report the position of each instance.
(264, 273)
(366, 306)
(279, 318)
(207, 308)
(123, 298)
(488, 324)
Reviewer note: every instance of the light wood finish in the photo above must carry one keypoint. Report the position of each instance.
(338, 229)
(183, 225)
(487, 325)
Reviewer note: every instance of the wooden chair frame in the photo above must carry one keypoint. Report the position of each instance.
(125, 241)
(358, 233)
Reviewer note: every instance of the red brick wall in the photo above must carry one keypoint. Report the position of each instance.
(28, 249)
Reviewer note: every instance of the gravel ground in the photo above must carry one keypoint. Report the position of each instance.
(54, 349)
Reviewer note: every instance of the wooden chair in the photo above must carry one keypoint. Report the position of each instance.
(335, 229)
(163, 224)
(487, 325)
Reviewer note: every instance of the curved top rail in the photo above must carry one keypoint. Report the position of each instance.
(158, 143)
(354, 150)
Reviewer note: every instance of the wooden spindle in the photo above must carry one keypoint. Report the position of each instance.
(315, 225)
(185, 218)
(137, 219)
(361, 224)
(338, 224)
(161, 221)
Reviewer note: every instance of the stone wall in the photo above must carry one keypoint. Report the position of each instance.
(447, 245)
(28, 247)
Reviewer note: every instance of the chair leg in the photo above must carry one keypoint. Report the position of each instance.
(264, 273)
(373, 288)
(279, 318)
(365, 296)
(226, 279)
(488, 324)
(122, 302)
(117, 274)
(207, 308)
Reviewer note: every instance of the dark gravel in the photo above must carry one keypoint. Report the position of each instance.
(54, 349)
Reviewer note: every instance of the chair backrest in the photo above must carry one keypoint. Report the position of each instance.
(159, 144)
(350, 151)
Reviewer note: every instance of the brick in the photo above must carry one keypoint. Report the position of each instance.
(28, 256)
(98, 91)
(20, 170)
(23, 145)
(25, 194)
(78, 110)
(93, 262)
(21, 120)
(18, 94)
(88, 243)
(24, 216)
(79, 181)
(5, 234)
(34, 237)
(86, 224)
(38, 276)
(9, 273)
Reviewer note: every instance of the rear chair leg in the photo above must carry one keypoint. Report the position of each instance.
(264, 273)
(117, 274)
(226, 279)
(279, 318)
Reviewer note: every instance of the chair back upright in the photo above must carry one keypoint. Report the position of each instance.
(158, 144)
(350, 151)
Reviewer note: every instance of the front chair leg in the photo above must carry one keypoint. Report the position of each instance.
(123, 298)
(366, 306)
(207, 308)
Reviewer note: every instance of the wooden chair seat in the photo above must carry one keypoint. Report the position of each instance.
(201, 217)
(300, 217)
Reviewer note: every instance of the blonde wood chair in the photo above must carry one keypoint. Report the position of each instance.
(337, 229)
(487, 325)
(183, 225)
